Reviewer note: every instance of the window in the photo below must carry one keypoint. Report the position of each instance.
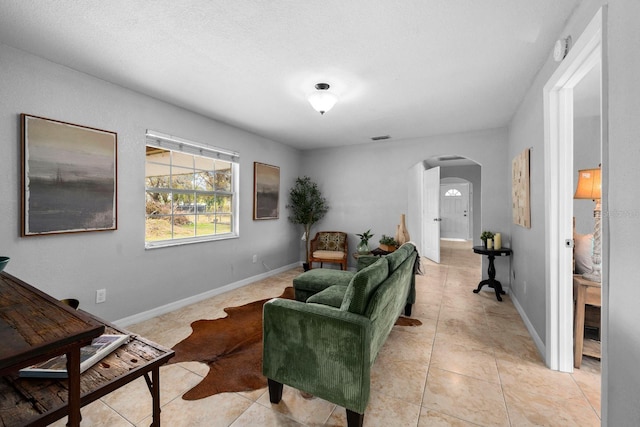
(190, 192)
(452, 192)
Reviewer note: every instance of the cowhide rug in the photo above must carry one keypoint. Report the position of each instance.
(232, 348)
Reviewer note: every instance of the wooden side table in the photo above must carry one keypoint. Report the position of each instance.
(491, 281)
(584, 292)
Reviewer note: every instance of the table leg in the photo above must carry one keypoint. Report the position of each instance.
(155, 395)
(579, 327)
(73, 378)
(491, 281)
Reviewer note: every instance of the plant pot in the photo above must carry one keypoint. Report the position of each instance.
(363, 248)
(387, 248)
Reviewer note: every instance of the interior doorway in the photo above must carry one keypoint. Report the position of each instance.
(424, 214)
(455, 209)
(559, 184)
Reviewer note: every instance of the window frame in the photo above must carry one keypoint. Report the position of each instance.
(180, 145)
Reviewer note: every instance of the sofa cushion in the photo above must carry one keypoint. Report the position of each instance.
(332, 296)
(329, 254)
(363, 284)
(313, 281)
(398, 256)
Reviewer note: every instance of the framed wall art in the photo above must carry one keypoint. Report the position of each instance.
(520, 190)
(69, 177)
(266, 191)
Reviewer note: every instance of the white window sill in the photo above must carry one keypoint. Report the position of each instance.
(188, 241)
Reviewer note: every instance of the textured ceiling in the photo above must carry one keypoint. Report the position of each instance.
(406, 68)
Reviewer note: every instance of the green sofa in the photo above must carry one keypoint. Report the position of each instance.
(325, 341)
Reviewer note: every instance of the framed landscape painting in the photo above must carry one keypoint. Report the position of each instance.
(266, 191)
(69, 177)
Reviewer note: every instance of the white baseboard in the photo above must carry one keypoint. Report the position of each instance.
(146, 315)
(534, 335)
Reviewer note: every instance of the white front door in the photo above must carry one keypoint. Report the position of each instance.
(454, 211)
(431, 215)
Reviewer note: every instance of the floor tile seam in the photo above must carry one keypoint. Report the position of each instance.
(469, 376)
(452, 416)
(290, 416)
(509, 388)
(426, 380)
(585, 395)
(178, 364)
(502, 390)
(122, 415)
(251, 403)
(566, 401)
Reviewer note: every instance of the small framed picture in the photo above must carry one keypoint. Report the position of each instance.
(266, 191)
(69, 177)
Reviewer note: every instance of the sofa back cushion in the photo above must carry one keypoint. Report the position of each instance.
(363, 285)
(399, 255)
(387, 303)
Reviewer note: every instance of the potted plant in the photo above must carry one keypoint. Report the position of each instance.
(484, 236)
(388, 243)
(363, 246)
(307, 206)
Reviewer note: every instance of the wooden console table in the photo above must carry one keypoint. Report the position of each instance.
(35, 327)
(41, 401)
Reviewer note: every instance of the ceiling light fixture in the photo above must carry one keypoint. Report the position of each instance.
(322, 100)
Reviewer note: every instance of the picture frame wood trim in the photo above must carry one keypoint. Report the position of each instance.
(83, 173)
(266, 191)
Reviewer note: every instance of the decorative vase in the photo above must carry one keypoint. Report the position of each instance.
(402, 235)
(363, 248)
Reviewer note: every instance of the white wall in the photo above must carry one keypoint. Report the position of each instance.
(586, 155)
(367, 185)
(136, 280)
(621, 212)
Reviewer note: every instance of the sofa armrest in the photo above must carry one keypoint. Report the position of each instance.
(318, 349)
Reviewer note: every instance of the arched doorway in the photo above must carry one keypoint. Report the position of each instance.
(424, 192)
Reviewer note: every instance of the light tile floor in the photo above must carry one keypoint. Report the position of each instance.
(471, 363)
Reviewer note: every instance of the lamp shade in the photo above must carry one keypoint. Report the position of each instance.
(322, 100)
(589, 184)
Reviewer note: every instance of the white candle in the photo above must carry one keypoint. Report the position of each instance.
(489, 243)
(497, 241)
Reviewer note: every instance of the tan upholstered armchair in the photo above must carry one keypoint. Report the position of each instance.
(329, 246)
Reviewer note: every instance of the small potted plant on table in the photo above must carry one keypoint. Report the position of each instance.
(363, 246)
(484, 236)
(388, 243)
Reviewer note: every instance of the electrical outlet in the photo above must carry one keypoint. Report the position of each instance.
(255, 259)
(101, 296)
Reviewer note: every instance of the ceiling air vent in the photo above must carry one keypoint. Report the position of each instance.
(381, 137)
(449, 158)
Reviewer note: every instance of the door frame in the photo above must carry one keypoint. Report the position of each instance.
(558, 165)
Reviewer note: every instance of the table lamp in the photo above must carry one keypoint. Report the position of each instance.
(589, 187)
